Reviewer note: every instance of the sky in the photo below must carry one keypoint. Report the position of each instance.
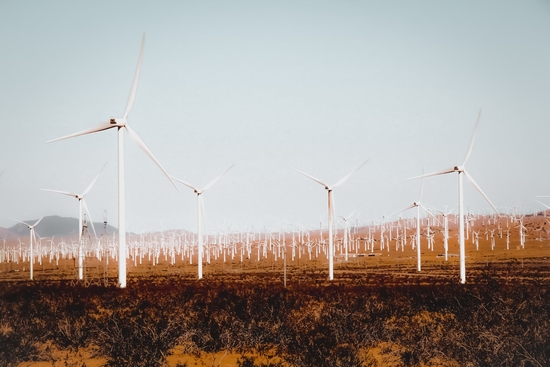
(320, 86)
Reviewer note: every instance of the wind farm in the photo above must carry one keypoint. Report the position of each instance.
(269, 222)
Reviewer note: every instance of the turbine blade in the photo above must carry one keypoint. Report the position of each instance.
(95, 129)
(89, 216)
(311, 177)
(38, 221)
(404, 210)
(546, 206)
(93, 182)
(471, 179)
(215, 180)
(186, 184)
(345, 178)
(62, 192)
(27, 224)
(351, 214)
(135, 137)
(430, 213)
(472, 140)
(136, 79)
(442, 172)
(203, 216)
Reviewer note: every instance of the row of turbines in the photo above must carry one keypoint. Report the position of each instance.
(121, 124)
(257, 244)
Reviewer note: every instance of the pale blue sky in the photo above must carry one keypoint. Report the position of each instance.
(318, 85)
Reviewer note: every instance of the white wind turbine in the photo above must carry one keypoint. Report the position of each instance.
(445, 215)
(346, 230)
(31, 238)
(200, 214)
(81, 203)
(461, 170)
(417, 205)
(330, 205)
(120, 124)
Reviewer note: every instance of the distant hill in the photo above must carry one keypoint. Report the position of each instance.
(54, 225)
(7, 234)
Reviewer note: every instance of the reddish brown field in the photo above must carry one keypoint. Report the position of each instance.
(398, 265)
(378, 311)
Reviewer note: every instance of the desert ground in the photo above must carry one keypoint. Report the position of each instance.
(394, 258)
(497, 264)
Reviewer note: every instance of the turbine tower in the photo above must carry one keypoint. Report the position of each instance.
(200, 214)
(330, 205)
(122, 124)
(461, 170)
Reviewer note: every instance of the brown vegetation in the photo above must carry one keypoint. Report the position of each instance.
(501, 318)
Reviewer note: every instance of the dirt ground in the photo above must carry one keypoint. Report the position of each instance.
(390, 265)
(392, 258)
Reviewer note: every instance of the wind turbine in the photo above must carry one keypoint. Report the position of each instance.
(346, 230)
(200, 214)
(31, 237)
(461, 170)
(417, 205)
(329, 189)
(122, 124)
(81, 202)
(445, 215)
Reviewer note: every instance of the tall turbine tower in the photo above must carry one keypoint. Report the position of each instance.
(200, 214)
(461, 170)
(122, 124)
(330, 205)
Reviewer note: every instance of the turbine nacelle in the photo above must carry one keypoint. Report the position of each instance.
(120, 122)
(459, 168)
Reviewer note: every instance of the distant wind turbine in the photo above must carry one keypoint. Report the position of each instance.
(31, 238)
(329, 189)
(346, 230)
(200, 214)
(81, 202)
(417, 204)
(445, 215)
(120, 124)
(461, 170)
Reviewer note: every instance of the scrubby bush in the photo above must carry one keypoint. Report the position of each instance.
(487, 323)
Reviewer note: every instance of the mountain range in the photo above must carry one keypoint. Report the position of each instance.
(54, 225)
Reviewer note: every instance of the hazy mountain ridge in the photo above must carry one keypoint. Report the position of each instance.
(54, 225)
(6, 234)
